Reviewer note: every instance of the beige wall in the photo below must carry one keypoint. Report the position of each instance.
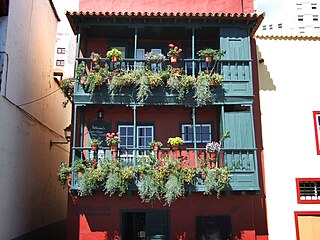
(30, 195)
(289, 92)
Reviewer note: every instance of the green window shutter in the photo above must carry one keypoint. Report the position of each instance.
(236, 63)
(239, 153)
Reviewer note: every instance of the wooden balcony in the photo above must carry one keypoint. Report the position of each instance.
(236, 85)
(241, 163)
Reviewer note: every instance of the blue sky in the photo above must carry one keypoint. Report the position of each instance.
(272, 8)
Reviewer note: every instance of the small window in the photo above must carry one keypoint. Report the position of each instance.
(316, 120)
(270, 27)
(144, 137)
(313, 6)
(60, 63)
(61, 50)
(203, 133)
(264, 27)
(315, 18)
(300, 18)
(308, 190)
(280, 25)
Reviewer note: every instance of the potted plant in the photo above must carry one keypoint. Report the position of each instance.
(214, 148)
(173, 53)
(95, 57)
(152, 57)
(94, 144)
(156, 145)
(210, 54)
(175, 142)
(217, 179)
(115, 55)
(64, 174)
(113, 139)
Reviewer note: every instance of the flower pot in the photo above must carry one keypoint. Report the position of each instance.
(114, 59)
(114, 147)
(79, 174)
(174, 59)
(94, 147)
(175, 147)
(208, 58)
(156, 147)
(203, 176)
(94, 59)
(82, 80)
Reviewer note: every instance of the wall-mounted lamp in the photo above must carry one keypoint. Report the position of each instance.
(67, 135)
(100, 114)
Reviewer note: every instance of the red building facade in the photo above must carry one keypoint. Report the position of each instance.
(136, 28)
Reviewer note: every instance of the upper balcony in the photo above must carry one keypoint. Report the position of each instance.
(135, 34)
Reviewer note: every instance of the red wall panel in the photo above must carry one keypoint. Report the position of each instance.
(215, 6)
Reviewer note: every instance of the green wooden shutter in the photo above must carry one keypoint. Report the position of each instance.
(236, 63)
(239, 153)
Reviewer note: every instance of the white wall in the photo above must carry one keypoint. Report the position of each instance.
(289, 92)
(30, 116)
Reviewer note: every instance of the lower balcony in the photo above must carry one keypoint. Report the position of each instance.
(163, 173)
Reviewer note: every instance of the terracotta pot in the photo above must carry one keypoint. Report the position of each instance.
(175, 147)
(203, 176)
(94, 147)
(114, 59)
(114, 147)
(156, 148)
(208, 58)
(94, 59)
(174, 59)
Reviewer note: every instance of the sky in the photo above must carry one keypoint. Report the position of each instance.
(272, 8)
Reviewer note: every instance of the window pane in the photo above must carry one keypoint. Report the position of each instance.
(148, 132)
(130, 131)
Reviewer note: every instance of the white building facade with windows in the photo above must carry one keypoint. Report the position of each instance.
(290, 109)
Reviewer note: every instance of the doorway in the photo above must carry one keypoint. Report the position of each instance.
(145, 225)
(213, 228)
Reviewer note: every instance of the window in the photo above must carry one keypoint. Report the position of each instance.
(203, 133)
(264, 27)
(316, 120)
(61, 50)
(60, 63)
(144, 137)
(300, 18)
(315, 17)
(280, 25)
(308, 190)
(313, 6)
(270, 27)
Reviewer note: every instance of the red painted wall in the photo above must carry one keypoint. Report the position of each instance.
(215, 6)
(98, 216)
(166, 120)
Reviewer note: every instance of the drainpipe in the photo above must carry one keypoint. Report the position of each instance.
(193, 49)
(135, 45)
(6, 76)
(135, 134)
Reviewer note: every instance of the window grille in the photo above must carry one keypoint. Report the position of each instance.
(309, 190)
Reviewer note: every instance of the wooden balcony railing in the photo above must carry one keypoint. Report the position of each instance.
(241, 163)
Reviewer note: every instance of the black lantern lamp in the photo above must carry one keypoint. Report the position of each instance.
(67, 135)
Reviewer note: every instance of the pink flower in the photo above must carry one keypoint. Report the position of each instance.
(112, 134)
(176, 48)
(108, 134)
(118, 133)
(171, 46)
(180, 50)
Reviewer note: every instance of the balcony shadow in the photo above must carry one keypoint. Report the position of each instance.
(265, 80)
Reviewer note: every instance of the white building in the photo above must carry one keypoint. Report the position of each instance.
(65, 48)
(32, 203)
(290, 114)
(298, 17)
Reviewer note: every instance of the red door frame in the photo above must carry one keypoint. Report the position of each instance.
(303, 213)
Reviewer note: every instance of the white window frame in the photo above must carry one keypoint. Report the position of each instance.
(200, 125)
(140, 152)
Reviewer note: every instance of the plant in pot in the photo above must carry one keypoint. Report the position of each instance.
(64, 174)
(92, 179)
(217, 179)
(115, 55)
(152, 57)
(95, 57)
(175, 142)
(80, 166)
(113, 139)
(80, 72)
(210, 54)
(173, 53)
(155, 145)
(94, 144)
(214, 148)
